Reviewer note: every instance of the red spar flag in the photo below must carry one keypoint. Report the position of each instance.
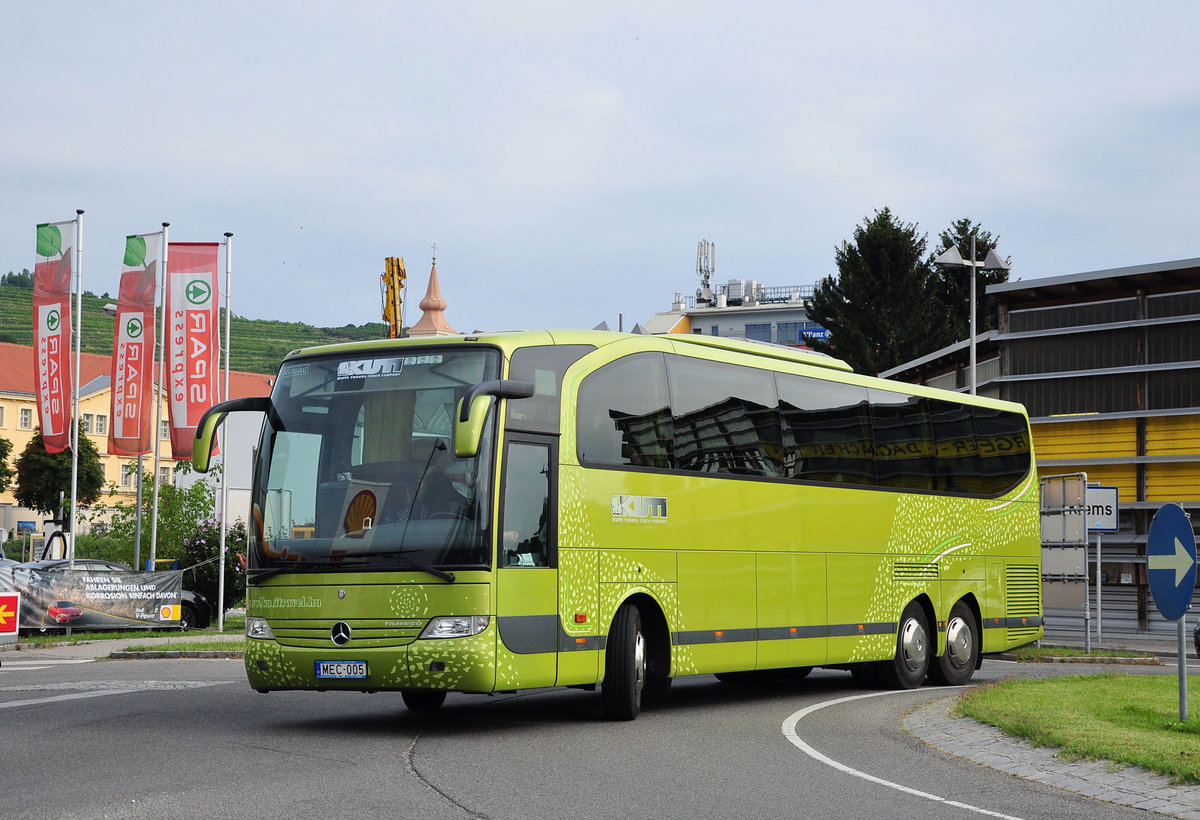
(52, 331)
(192, 339)
(133, 348)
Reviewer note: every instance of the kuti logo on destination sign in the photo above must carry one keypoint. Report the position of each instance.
(369, 368)
(640, 509)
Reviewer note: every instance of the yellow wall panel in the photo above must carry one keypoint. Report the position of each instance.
(1173, 435)
(1172, 482)
(1086, 439)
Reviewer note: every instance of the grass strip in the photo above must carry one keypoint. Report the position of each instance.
(1128, 719)
(232, 647)
(1038, 653)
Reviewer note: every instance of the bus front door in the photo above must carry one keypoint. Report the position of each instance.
(526, 573)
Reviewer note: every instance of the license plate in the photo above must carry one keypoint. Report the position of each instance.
(341, 669)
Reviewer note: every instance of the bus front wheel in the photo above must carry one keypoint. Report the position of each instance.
(624, 665)
(957, 664)
(908, 668)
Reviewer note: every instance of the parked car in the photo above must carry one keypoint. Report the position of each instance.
(194, 612)
(64, 612)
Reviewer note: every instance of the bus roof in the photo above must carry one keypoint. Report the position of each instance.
(513, 339)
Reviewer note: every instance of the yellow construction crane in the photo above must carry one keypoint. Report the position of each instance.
(393, 283)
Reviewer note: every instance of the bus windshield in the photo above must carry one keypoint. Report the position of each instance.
(356, 467)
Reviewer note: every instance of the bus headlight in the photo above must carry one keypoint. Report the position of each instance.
(455, 626)
(258, 628)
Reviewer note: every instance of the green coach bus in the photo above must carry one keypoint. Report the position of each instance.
(503, 511)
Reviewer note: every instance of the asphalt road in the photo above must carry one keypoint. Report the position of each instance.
(188, 738)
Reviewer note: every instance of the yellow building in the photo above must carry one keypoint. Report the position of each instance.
(19, 419)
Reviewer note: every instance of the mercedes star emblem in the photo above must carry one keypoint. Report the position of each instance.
(340, 634)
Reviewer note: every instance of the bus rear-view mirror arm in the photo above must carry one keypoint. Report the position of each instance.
(206, 430)
(473, 410)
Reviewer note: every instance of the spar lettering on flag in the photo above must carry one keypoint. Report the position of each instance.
(52, 331)
(133, 348)
(10, 613)
(193, 341)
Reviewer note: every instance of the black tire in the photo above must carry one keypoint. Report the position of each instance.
(956, 665)
(423, 700)
(187, 617)
(908, 668)
(624, 666)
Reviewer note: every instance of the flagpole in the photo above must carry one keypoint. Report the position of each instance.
(160, 346)
(224, 449)
(75, 385)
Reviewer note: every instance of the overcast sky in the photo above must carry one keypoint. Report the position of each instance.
(566, 157)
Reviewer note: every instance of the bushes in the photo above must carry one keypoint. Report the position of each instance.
(188, 531)
(199, 561)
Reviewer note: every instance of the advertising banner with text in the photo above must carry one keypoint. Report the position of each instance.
(133, 348)
(52, 331)
(56, 599)
(192, 338)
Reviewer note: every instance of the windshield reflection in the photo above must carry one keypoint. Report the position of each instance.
(356, 468)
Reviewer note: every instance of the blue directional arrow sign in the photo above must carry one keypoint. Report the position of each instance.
(1171, 561)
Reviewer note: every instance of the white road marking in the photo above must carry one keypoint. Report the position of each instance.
(74, 696)
(43, 664)
(789, 732)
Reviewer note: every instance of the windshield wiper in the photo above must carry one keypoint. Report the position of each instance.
(445, 575)
(259, 574)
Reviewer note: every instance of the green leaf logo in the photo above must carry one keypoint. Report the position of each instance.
(135, 251)
(49, 240)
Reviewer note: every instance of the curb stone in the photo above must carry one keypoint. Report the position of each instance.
(1132, 786)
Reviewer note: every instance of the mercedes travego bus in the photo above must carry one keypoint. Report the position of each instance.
(502, 511)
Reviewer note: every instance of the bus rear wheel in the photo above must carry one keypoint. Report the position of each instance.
(423, 700)
(956, 665)
(624, 665)
(908, 668)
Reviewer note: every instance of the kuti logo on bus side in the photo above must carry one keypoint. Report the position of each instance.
(639, 507)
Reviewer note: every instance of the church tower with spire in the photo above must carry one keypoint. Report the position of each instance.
(432, 322)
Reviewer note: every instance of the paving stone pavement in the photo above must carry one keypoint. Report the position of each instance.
(1128, 785)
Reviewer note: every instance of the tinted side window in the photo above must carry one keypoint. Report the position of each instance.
(624, 414)
(826, 431)
(726, 418)
(957, 455)
(903, 441)
(1004, 452)
(543, 367)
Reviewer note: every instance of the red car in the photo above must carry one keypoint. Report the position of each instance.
(64, 612)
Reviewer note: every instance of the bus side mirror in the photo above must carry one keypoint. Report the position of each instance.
(206, 430)
(473, 410)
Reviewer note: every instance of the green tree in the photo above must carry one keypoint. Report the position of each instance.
(42, 476)
(24, 279)
(952, 285)
(880, 306)
(6, 470)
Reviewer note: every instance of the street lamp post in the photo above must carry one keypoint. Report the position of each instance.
(951, 258)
